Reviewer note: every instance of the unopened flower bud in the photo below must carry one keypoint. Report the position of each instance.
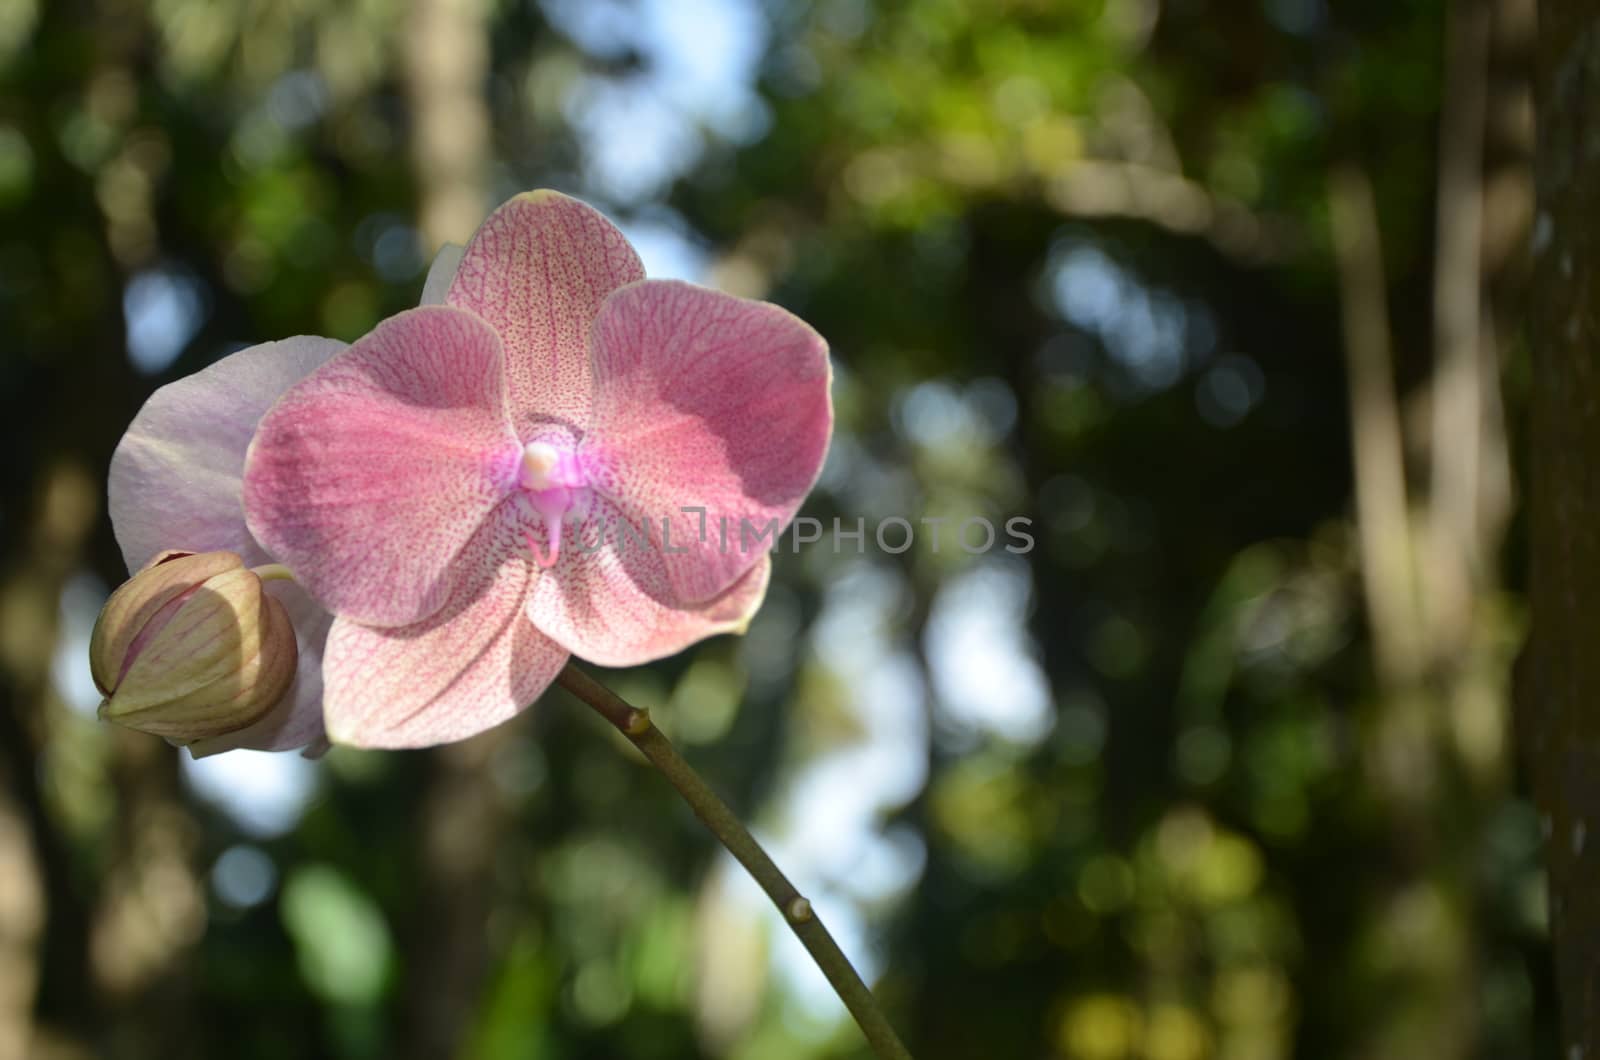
(191, 647)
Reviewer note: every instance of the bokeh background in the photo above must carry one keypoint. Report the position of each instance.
(1222, 295)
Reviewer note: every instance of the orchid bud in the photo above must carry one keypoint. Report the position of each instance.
(191, 647)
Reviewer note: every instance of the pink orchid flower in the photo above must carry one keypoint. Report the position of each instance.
(542, 466)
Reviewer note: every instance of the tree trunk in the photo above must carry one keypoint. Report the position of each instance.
(1560, 705)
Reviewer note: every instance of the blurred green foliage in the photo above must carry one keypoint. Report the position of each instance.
(1122, 796)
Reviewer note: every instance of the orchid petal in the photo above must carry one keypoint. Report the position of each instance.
(441, 274)
(706, 401)
(609, 598)
(367, 478)
(475, 663)
(538, 270)
(176, 475)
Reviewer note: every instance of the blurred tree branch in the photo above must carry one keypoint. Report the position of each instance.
(1383, 519)
(446, 68)
(448, 952)
(1093, 188)
(1456, 550)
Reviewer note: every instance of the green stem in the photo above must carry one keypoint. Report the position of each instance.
(635, 724)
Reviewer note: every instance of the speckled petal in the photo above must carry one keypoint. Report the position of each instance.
(705, 400)
(538, 271)
(176, 475)
(368, 477)
(614, 605)
(471, 666)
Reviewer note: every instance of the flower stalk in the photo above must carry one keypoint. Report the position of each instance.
(802, 919)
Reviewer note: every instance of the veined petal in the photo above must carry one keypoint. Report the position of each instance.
(297, 719)
(441, 274)
(175, 479)
(367, 478)
(707, 401)
(609, 598)
(538, 271)
(475, 663)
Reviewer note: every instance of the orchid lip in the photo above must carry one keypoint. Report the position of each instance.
(548, 477)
